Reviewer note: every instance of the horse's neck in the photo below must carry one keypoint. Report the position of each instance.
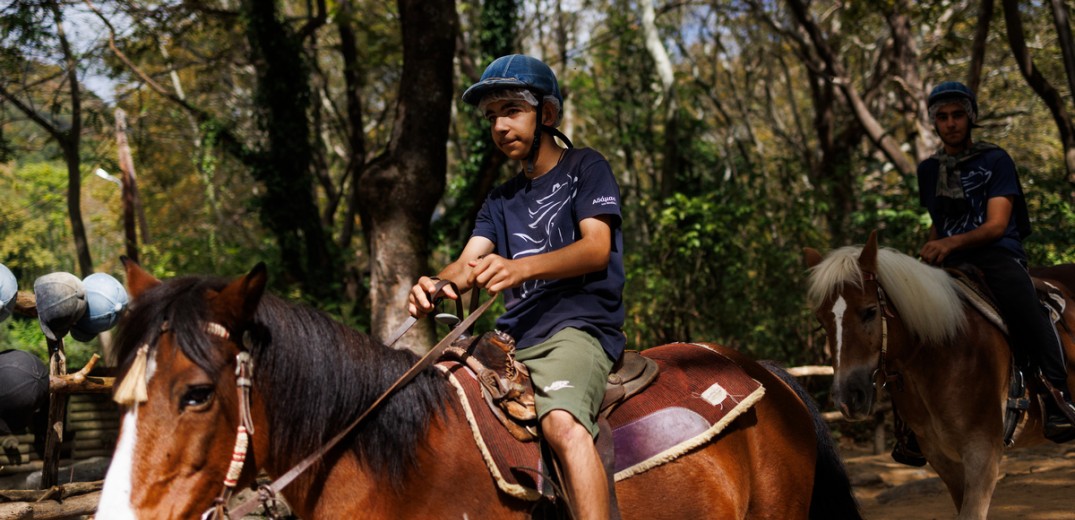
(449, 467)
(979, 358)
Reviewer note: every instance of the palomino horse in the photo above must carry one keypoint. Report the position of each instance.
(901, 324)
(415, 456)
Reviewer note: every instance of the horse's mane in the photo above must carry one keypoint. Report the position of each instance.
(315, 375)
(924, 296)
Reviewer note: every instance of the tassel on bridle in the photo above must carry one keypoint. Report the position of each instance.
(132, 390)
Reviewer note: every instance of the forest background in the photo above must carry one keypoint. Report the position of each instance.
(327, 138)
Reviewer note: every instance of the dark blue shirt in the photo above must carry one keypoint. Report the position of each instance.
(983, 176)
(523, 218)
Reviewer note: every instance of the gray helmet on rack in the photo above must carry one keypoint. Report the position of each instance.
(9, 288)
(105, 301)
(61, 301)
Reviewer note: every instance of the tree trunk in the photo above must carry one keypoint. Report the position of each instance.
(70, 141)
(1041, 85)
(877, 133)
(981, 35)
(401, 187)
(670, 109)
(126, 165)
(284, 165)
(905, 58)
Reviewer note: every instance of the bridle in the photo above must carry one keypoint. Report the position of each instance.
(882, 372)
(244, 371)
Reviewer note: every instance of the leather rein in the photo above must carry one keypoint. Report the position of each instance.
(266, 494)
(885, 311)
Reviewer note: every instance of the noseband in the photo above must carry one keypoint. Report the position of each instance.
(886, 376)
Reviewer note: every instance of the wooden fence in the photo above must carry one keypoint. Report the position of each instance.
(91, 430)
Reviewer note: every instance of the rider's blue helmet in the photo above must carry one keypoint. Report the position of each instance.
(515, 71)
(954, 91)
(9, 287)
(105, 301)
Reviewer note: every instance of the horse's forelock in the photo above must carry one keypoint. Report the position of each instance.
(181, 304)
(839, 267)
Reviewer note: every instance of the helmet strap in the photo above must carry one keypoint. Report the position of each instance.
(534, 148)
(536, 145)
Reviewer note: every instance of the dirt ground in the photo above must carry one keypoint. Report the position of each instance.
(1036, 483)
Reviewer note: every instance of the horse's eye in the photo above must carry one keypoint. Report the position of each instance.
(196, 397)
(869, 313)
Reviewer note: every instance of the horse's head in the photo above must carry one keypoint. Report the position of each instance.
(846, 299)
(878, 306)
(178, 348)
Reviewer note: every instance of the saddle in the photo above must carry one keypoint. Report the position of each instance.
(506, 381)
(973, 289)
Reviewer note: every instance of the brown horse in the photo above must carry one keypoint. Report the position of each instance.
(893, 321)
(414, 457)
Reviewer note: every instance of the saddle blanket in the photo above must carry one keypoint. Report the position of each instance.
(697, 393)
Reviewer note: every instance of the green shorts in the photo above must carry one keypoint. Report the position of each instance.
(568, 372)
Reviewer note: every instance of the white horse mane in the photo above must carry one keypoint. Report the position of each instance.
(923, 296)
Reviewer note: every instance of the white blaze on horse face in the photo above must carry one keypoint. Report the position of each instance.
(116, 497)
(838, 309)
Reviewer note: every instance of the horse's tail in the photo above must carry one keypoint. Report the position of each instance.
(832, 496)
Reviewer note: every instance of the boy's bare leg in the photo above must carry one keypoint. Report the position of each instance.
(574, 448)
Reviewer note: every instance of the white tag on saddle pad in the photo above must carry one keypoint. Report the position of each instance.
(715, 394)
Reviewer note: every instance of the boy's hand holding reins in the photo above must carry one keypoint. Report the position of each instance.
(420, 302)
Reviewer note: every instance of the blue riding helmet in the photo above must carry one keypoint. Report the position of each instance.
(951, 91)
(105, 301)
(9, 287)
(515, 71)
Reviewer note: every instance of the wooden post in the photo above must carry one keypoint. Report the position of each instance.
(57, 411)
(126, 164)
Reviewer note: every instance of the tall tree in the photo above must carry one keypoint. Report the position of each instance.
(284, 162)
(402, 186)
(670, 162)
(1041, 85)
(27, 25)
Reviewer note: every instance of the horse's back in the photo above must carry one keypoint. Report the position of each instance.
(760, 466)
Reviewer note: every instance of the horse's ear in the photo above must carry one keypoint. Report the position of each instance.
(138, 279)
(242, 296)
(812, 256)
(868, 257)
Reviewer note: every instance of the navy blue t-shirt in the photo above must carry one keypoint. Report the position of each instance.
(983, 176)
(523, 218)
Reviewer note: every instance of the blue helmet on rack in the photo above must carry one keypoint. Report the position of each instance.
(9, 288)
(106, 299)
(953, 91)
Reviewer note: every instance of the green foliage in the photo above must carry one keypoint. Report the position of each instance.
(34, 234)
(25, 334)
(715, 259)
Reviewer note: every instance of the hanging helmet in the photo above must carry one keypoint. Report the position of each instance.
(105, 301)
(61, 301)
(515, 71)
(9, 287)
(950, 91)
